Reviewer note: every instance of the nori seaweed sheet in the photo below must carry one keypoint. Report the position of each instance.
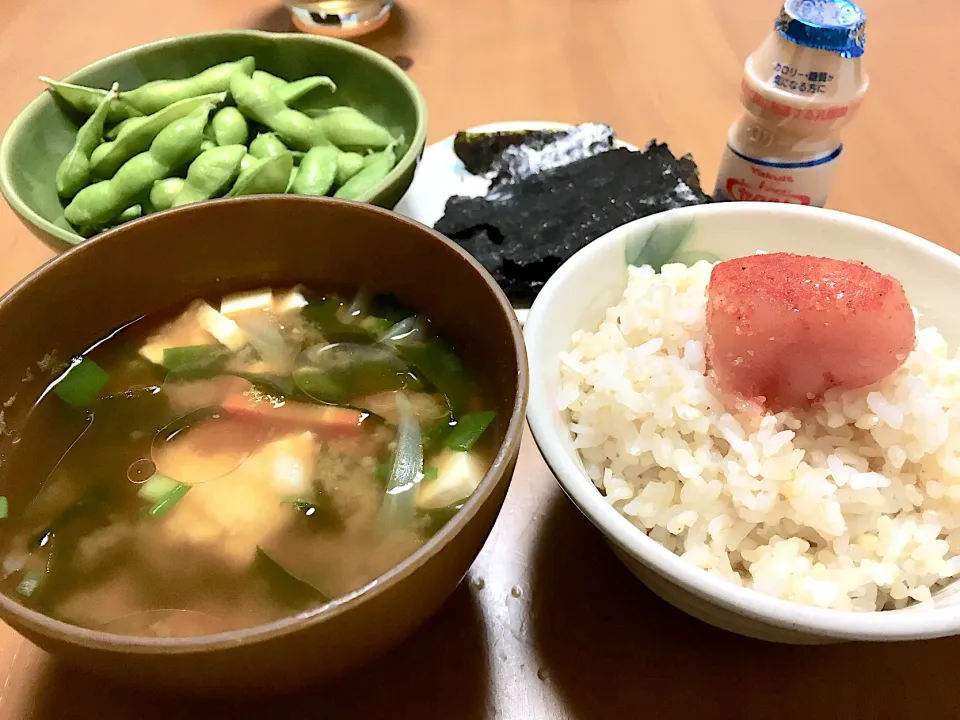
(481, 151)
(525, 232)
(508, 157)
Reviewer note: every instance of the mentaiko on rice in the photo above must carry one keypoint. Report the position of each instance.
(852, 503)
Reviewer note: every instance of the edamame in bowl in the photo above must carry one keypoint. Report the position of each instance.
(208, 115)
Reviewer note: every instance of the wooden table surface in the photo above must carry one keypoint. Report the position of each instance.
(549, 625)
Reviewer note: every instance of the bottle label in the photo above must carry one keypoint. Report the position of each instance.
(742, 177)
(757, 103)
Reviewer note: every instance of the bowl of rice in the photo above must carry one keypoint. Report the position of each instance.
(838, 520)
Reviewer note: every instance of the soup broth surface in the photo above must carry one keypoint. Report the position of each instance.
(242, 461)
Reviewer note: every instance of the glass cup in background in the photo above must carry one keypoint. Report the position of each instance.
(339, 18)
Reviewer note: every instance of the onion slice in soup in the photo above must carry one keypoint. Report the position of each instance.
(400, 501)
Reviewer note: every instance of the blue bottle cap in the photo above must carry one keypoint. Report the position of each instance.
(834, 25)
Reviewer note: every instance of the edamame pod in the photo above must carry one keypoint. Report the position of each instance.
(376, 167)
(211, 174)
(267, 145)
(73, 173)
(296, 89)
(268, 79)
(98, 154)
(86, 99)
(139, 137)
(164, 192)
(248, 162)
(131, 213)
(317, 113)
(317, 171)
(175, 146)
(229, 127)
(265, 177)
(158, 94)
(348, 165)
(262, 104)
(349, 128)
(290, 92)
(122, 126)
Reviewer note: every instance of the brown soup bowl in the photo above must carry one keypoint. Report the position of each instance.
(224, 246)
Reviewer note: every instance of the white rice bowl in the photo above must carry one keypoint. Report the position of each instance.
(851, 505)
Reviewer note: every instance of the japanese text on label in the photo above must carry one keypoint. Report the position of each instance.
(793, 79)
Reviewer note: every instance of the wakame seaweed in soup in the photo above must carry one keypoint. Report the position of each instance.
(235, 465)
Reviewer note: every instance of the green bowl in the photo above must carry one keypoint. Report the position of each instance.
(44, 131)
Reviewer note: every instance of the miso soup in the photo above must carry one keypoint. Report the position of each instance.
(243, 461)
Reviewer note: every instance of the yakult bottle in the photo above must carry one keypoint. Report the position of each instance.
(800, 88)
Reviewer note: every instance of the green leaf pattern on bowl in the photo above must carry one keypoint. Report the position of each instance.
(664, 245)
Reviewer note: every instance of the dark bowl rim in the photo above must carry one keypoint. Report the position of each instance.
(509, 448)
(36, 106)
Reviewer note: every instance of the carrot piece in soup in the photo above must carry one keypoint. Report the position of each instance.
(325, 420)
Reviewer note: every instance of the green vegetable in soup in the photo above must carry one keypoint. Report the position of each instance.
(157, 487)
(268, 383)
(375, 326)
(468, 430)
(166, 503)
(324, 313)
(336, 372)
(82, 383)
(441, 367)
(4, 508)
(433, 437)
(436, 519)
(432, 358)
(295, 569)
(192, 356)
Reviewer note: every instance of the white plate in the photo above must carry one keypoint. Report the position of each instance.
(441, 175)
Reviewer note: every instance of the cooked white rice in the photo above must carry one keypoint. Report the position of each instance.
(853, 505)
